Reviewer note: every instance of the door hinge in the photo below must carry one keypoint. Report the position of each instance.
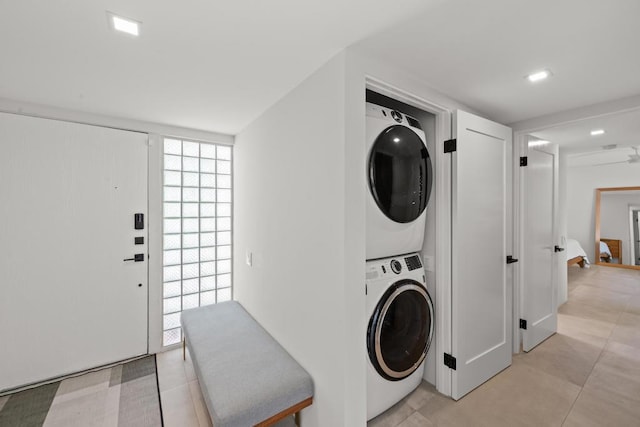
(450, 145)
(366, 290)
(523, 324)
(523, 161)
(511, 260)
(449, 361)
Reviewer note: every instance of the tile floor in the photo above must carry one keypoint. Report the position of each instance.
(588, 374)
(182, 402)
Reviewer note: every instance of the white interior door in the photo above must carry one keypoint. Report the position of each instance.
(539, 309)
(481, 241)
(69, 301)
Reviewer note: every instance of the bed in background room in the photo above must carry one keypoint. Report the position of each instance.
(575, 254)
(611, 251)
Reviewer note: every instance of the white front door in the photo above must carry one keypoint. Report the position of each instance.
(68, 300)
(481, 241)
(539, 312)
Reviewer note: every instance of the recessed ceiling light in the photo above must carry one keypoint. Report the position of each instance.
(597, 132)
(124, 25)
(538, 76)
(538, 143)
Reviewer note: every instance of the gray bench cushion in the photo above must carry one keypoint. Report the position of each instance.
(245, 376)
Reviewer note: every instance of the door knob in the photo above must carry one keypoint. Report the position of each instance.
(511, 260)
(136, 258)
(558, 249)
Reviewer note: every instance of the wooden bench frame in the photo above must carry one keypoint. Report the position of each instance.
(293, 410)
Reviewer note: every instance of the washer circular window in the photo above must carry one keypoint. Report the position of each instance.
(400, 174)
(400, 330)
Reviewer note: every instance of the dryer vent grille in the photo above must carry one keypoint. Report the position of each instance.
(413, 262)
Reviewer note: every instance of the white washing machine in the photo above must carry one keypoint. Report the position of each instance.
(399, 178)
(399, 331)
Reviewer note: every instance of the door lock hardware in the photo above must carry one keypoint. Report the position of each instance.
(557, 248)
(511, 259)
(136, 258)
(138, 221)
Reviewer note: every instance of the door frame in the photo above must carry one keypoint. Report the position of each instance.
(442, 197)
(520, 149)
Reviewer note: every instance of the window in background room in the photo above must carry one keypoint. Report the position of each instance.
(197, 229)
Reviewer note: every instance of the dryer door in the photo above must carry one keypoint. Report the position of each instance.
(400, 174)
(400, 330)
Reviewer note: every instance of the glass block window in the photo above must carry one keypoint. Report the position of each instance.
(197, 206)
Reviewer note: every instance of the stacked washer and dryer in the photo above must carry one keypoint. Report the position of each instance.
(400, 309)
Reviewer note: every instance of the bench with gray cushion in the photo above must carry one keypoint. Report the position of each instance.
(246, 377)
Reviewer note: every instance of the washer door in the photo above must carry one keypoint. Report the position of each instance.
(400, 330)
(400, 174)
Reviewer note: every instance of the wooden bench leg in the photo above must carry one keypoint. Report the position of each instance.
(293, 410)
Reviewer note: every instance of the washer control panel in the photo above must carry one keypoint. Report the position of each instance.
(380, 112)
(390, 268)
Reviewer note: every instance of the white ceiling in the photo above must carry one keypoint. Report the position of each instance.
(217, 65)
(622, 129)
(478, 52)
(575, 140)
(212, 65)
(618, 156)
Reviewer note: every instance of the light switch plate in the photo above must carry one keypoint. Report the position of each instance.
(249, 258)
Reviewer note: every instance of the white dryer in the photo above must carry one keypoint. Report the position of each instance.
(399, 176)
(399, 331)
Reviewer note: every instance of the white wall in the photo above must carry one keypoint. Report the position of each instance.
(290, 212)
(614, 219)
(52, 112)
(581, 184)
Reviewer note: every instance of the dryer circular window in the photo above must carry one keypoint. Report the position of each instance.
(400, 330)
(400, 174)
(398, 179)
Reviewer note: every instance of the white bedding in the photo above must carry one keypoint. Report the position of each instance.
(575, 250)
(604, 248)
